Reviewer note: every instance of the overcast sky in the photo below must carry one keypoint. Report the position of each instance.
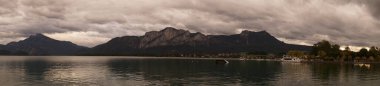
(91, 22)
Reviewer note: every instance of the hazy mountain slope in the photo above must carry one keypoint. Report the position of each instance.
(40, 44)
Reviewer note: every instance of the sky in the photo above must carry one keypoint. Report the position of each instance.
(92, 22)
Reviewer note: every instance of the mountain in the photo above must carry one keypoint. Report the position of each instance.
(40, 44)
(2, 47)
(169, 41)
(177, 41)
(3, 51)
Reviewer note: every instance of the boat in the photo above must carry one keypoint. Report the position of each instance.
(290, 59)
(221, 61)
(363, 65)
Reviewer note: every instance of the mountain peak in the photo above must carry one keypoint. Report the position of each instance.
(38, 36)
(265, 32)
(40, 44)
(247, 32)
(169, 29)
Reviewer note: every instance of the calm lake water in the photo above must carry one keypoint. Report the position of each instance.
(137, 71)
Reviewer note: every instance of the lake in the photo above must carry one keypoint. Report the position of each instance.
(142, 71)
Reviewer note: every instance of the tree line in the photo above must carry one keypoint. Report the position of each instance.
(326, 51)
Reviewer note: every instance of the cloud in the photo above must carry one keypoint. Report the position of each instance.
(84, 38)
(347, 22)
(374, 6)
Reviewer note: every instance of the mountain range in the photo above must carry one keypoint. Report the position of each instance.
(40, 44)
(168, 41)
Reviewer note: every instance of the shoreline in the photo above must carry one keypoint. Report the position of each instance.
(279, 60)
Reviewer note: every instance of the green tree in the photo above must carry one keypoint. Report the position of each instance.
(347, 49)
(294, 53)
(350, 53)
(335, 51)
(322, 54)
(321, 46)
(373, 51)
(345, 54)
(332, 51)
(363, 52)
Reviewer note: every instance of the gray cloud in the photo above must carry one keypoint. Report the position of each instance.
(348, 22)
(374, 6)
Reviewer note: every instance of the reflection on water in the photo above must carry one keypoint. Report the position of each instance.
(194, 72)
(121, 71)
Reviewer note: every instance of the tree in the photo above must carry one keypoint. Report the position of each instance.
(295, 53)
(331, 51)
(347, 49)
(373, 51)
(345, 54)
(363, 52)
(321, 46)
(322, 54)
(335, 51)
(350, 53)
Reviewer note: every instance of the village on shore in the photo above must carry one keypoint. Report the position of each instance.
(323, 51)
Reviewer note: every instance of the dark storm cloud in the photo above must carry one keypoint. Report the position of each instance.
(348, 22)
(374, 7)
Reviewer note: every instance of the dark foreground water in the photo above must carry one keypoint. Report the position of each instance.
(140, 71)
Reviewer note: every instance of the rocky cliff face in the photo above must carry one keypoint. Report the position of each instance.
(40, 44)
(171, 40)
(170, 37)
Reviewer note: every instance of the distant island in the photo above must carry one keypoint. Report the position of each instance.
(167, 42)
